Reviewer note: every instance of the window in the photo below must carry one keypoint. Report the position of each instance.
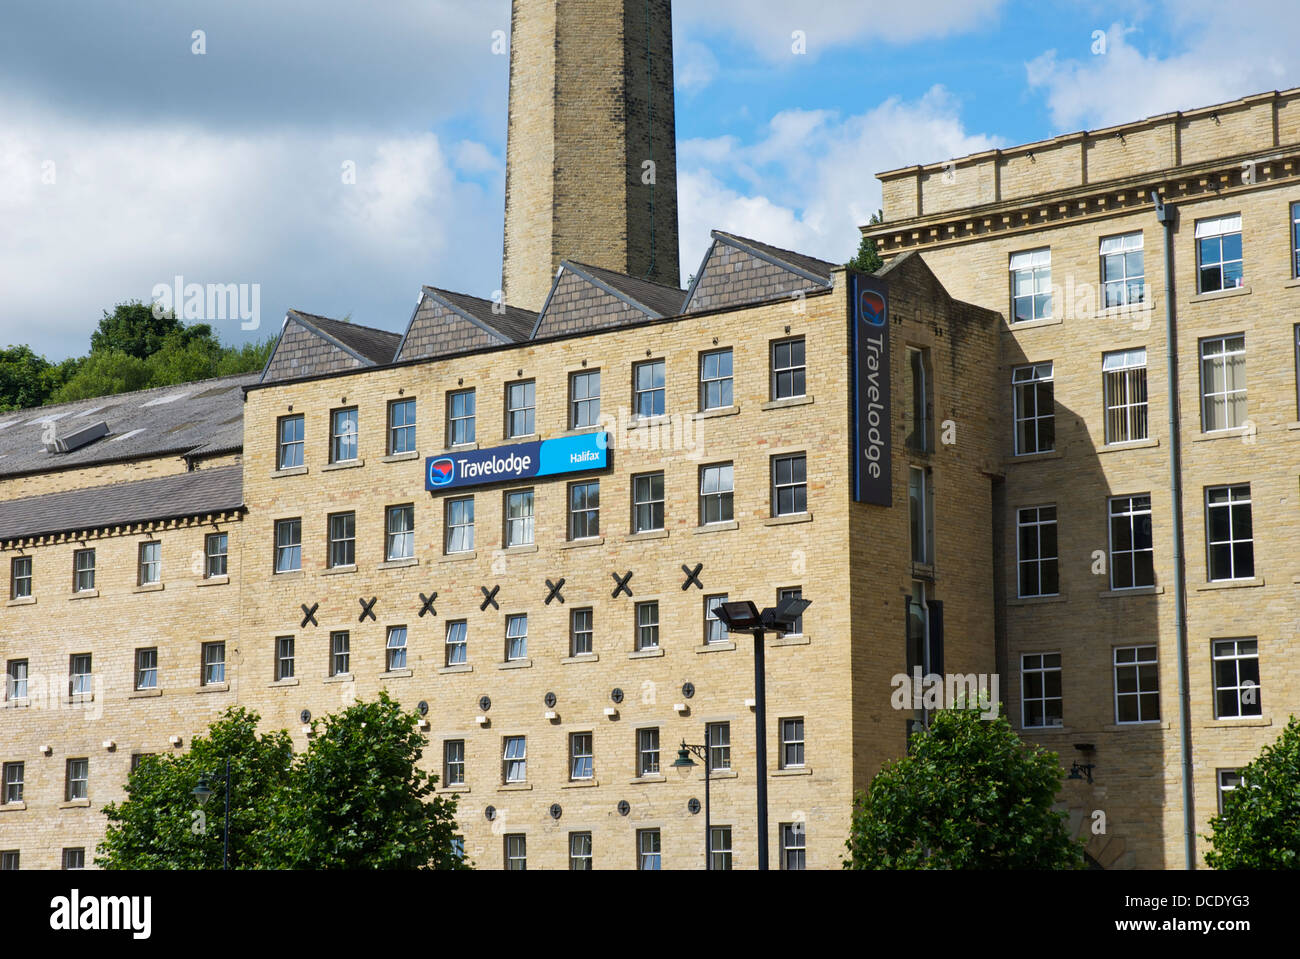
(1039, 574)
(401, 427)
(792, 743)
(584, 510)
(137, 759)
(581, 761)
(516, 852)
(283, 658)
(718, 738)
(794, 592)
(460, 525)
(720, 848)
(1031, 285)
(794, 846)
(584, 399)
(13, 784)
(647, 502)
(1131, 547)
(9, 860)
(580, 851)
(1229, 779)
(519, 518)
(1137, 685)
(648, 393)
(1033, 394)
(921, 515)
(517, 637)
(647, 625)
(214, 663)
(83, 570)
(1218, 253)
(1223, 382)
(789, 485)
(1124, 383)
(20, 577)
(401, 533)
(1236, 678)
(291, 432)
(343, 540)
(647, 844)
(146, 668)
(16, 679)
(216, 548)
(453, 762)
(521, 403)
(458, 847)
(79, 675)
(78, 780)
(580, 632)
(715, 380)
(343, 435)
(340, 653)
(647, 751)
(74, 858)
(788, 369)
(1040, 690)
(1229, 536)
(457, 643)
(288, 545)
(460, 418)
(1295, 239)
(515, 760)
(917, 413)
(396, 647)
(1123, 279)
(715, 630)
(150, 565)
(716, 494)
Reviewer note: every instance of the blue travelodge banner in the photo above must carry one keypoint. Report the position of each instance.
(567, 454)
(869, 336)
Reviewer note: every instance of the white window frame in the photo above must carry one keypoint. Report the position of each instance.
(516, 637)
(789, 372)
(794, 846)
(715, 630)
(649, 846)
(649, 507)
(514, 759)
(786, 468)
(720, 848)
(342, 531)
(149, 563)
(395, 651)
(646, 640)
(340, 652)
(1038, 665)
(456, 643)
(582, 757)
(717, 739)
(580, 852)
(654, 392)
(516, 853)
(1235, 498)
(717, 387)
(1219, 228)
(80, 674)
(453, 762)
(400, 543)
(1131, 511)
(1135, 666)
(582, 634)
(647, 752)
(584, 405)
(216, 551)
(16, 684)
(723, 496)
(792, 742)
(1034, 379)
(1035, 268)
(77, 779)
(213, 666)
(284, 657)
(345, 430)
(519, 528)
(461, 422)
(20, 583)
(290, 447)
(1124, 394)
(401, 435)
(521, 409)
(584, 518)
(1219, 355)
(1235, 655)
(1226, 780)
(146, 667)
(791, 592)
(1119, 251)
(460, 525)
(288, 545)
(83, 571)
(14, 774)
(1033, 518)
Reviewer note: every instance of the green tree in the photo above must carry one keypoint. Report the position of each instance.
(26, 378)
(1259, 827)
(358, 799)
(969, 795)
(155, 826)
(133, 329)
(103, 374)
(868, 259)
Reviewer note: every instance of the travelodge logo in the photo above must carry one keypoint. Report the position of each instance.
(442, 471)
(871, 307)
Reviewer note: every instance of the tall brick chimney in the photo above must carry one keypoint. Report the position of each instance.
(591, 108)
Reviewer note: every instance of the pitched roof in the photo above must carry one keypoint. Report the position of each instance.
(189, 418)
(820, 269)
(376, 346)
(662, 300)
(515, 324)
(168, 497)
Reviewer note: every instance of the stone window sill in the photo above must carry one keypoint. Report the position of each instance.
(516, 664)
(718, 411)
(291, 471)
(13, 807)
(1136, 591)
(1219, 294)
(291, 681)
(1122, 727)
(522, 548)
(75, 804)
(1055, 730)
(1243, 721)
(579, 543)
(1034, 457)
(462, 447)
(77, 699)
(1231, 584)
(794, 639)
(22, 601)
(1013, 326)
(401, 457)
(215, 688)
(788, 519)
(715, 647)
(396, 674)
(582, 658)
(345, 465)
(581, 784)
(721, 774)
(149, 588)
(635, 422)
(786, 403)
(23, 703)
(1037, 600)
(338, 678)
(582, 430)
(458, 557)
(85, 594)
(455, 788)
(646, 653)
(1292, 284)
(1131, 445)
(289, 574)
(214, 581)
(1232, 432)
(144, 693)
(648, 778)
(717, 527)
(399, 563)
(339, 570)
(663, 533)
(513, 787)
(458, 668)
(793, 771)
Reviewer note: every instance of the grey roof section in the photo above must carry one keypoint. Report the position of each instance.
(377, 347)
(515, 324)
(168, 497)
(662, 300)
(799, 262)
(187, 419)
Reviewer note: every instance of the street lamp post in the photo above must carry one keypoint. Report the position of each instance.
(684, 764)
(202, 792)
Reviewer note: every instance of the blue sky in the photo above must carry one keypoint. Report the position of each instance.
(127, 159)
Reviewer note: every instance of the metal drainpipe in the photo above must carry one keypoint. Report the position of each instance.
(1166, 215)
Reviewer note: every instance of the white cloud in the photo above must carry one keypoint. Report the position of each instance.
(694, 65)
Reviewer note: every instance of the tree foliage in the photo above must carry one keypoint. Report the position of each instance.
(1259, 827)
(868, 259)
(356, 799)
(969, 795)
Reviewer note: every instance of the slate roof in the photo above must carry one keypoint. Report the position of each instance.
(168, 497)
(661, 299)
(377, 346)
(190, 418)
(808, 264)
(516, 324)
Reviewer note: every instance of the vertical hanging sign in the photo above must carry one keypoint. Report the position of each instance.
(869, 340)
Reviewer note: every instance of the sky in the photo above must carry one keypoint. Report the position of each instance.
(338, 155)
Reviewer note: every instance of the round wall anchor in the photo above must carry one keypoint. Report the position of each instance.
(688, 690)
(484, 703)
(616, 695)
(423, 707)
(490, 813)
(556, 810)
(550, 700)
(305, 716)
(693, 806)
(623, 807)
